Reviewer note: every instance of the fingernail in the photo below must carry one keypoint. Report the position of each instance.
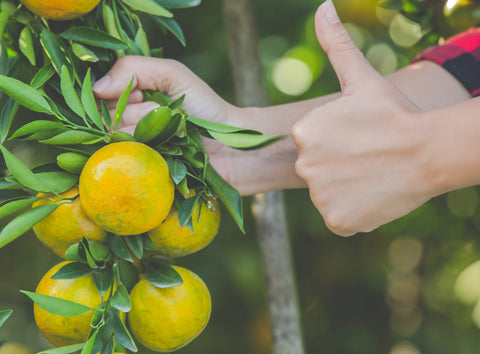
(102, 84)
(329, 12)
(149, 106)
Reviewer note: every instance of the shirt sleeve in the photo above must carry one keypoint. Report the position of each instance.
(460, 55)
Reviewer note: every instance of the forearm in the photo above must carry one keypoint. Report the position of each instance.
(451, 155)
(426, 84)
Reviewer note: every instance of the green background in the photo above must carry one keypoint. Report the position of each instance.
(381, 292)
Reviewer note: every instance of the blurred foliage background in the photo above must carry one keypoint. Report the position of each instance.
(413, 286)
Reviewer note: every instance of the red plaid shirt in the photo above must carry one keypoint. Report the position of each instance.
(460, 55)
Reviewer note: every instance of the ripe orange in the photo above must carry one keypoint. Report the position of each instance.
(66, 225)
(126, 188)
(60, 9)
(66, 330)
(173, 240)
(168, 319)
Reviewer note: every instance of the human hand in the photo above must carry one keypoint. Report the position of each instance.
(167, 76)
(363, 154)
(246, 171)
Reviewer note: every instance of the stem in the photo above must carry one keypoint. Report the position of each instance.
(4, 17)
(268, 209)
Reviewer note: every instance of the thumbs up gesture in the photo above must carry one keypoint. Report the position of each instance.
(362, 155)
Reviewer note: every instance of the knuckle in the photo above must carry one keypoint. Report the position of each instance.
(126, 61)
(301, 167)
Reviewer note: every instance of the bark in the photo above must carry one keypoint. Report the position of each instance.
(268, 208)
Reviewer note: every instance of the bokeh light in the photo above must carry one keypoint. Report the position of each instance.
(383, 58)
(403, 32)
(291, 76)
(467, 284)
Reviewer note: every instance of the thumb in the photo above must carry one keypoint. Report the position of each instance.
(347, 60)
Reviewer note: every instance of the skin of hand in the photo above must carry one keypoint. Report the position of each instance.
(363, 155)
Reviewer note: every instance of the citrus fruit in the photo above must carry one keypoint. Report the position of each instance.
(173, 240)
(66, 330)
(126, 188)
(67, 224)
(167, 319)
(60, 9)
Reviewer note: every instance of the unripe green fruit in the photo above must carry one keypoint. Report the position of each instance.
(72, 161)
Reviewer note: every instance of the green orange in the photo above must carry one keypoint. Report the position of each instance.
(60, 9)
(126, 188)
(66, 330)
(173, 240)
(67, 224)
(167, 319)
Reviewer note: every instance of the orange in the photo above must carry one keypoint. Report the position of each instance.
(173, 240)
(66, 330)
(60, 9)
(126, 188)
(66, 225)
(165, 320)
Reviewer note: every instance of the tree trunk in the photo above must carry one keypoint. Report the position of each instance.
(268, 208)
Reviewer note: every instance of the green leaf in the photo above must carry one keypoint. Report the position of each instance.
(93, 37)
(57, 306)
(22, 173)
(75, 253)
(56, 51)
(391, 4)
(229, 196)
(152, 124)
(73, 270)
(71, 137)
(72, 162)
(25, 95)
(118, 247)
(185, 209)
(25, 43)
(121, 299)
(178, 4)
(162, 275)
(4, 315)
(122, 103)
(107, 118)
(84, 54)
(128, 274)
(142, 41)
(58, 181)
(177, 169)
(172, 25)
(135, 243)
(64, 350)
(219, 127)
(244, 141)
(24, 222)
(149, 7)
(103, 279)
(87, 348)
(89, 103)
(12, 207)
(122, 335)
(69, 94)
(7, 115)
(99, 251)
(35, 126)
(42, 76)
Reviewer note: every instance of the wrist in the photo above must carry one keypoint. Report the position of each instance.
(452, 153)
